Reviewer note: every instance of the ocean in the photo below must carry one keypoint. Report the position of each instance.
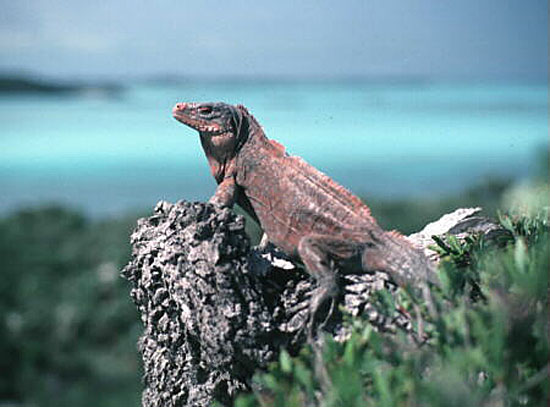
(107, 154)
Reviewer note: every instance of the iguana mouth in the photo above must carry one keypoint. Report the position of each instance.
(184, 113)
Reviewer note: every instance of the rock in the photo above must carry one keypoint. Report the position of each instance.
(206, 326)
(461, 223)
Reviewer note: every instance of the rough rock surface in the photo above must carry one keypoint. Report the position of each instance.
(206, 327)
(215, 310)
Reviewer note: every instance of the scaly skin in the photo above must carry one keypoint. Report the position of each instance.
(301, 210)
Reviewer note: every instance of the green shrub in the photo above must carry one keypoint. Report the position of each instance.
(69, 329)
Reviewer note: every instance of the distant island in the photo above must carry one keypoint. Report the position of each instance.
(13, 84)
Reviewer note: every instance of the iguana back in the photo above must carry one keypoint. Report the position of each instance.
(292, 199)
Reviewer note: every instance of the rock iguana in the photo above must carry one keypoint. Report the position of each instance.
(301, 210)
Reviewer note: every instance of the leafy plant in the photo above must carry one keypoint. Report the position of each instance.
(69, 329)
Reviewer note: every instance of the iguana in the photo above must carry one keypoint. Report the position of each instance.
(301, 210)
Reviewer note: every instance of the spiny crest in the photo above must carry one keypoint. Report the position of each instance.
(336, 190)
(278, 146)
(256, 130)
(250, 117)
(320, 179)
(394, 234)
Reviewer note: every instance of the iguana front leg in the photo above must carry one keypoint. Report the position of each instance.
(319, 253)
(225, 194)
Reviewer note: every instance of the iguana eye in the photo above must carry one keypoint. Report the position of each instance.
(205, 109)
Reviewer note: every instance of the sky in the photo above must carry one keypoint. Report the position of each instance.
(442, 39)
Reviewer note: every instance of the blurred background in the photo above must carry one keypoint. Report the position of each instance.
(418, 107)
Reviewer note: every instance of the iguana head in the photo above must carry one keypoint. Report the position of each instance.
(209, 118)
(223, 129)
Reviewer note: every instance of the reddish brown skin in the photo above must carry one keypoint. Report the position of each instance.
(301, 210)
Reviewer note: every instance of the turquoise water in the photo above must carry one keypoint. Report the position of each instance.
(108, 155)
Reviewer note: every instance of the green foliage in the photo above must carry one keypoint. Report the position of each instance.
(487, 337)
(68, 327)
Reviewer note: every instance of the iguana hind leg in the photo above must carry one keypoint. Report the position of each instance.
(320, 253)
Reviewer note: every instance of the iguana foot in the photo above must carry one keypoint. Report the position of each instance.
(312, 314)
(319, 254)
(318, 316)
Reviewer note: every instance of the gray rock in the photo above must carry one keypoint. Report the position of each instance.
(206, 326)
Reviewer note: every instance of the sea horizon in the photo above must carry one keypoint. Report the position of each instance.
(112, 152)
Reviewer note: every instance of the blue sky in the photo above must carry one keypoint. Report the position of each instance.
(465, 39)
